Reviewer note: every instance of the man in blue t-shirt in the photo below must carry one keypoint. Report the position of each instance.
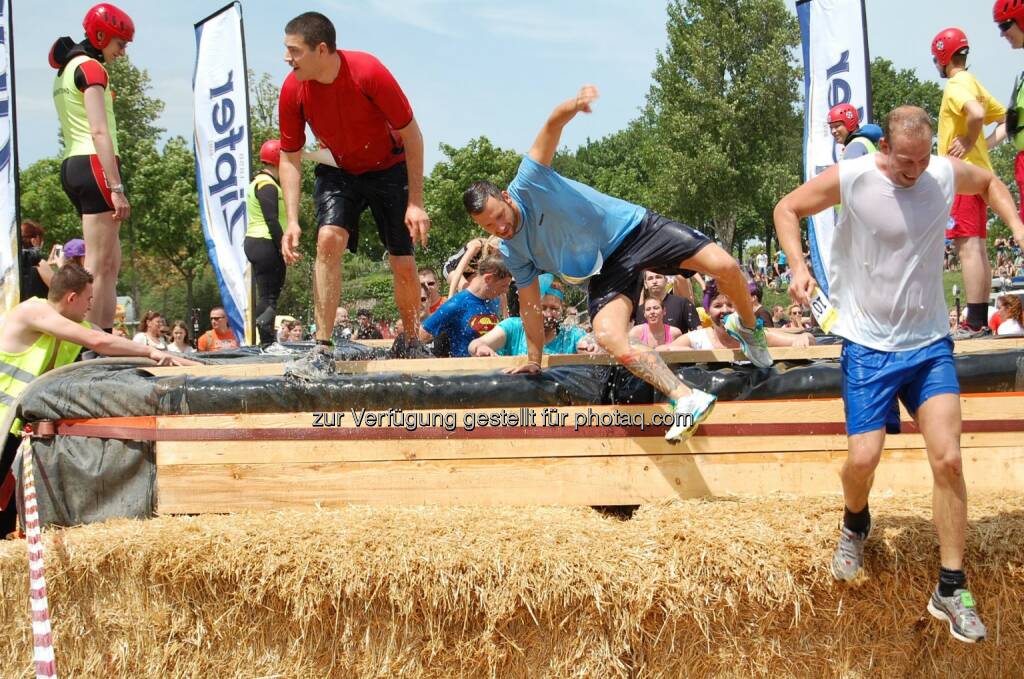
(509, 338)
(472, 312)
(550, 223)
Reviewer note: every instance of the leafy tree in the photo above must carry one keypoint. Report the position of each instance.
(891, 88)
(443, 189)
(43, 199)
(723, 116)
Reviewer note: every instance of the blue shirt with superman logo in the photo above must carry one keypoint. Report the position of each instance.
(463, 318)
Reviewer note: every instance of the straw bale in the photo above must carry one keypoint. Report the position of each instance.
(715, 588)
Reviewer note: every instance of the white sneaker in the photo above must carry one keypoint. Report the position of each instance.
(689, 412)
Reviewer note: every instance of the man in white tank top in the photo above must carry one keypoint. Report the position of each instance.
(885, 282)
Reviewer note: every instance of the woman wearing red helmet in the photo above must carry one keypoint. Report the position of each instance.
(265, 211)
(90, 173)
(966, 108)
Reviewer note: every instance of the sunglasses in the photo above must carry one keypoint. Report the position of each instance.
(1004, 26)
(430, 284)
(217, 318)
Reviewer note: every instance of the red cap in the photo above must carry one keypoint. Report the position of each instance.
(845, 114)
(948, 43)
(109, 20)
(270, 152)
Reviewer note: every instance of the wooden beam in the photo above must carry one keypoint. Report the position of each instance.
(556, 481)
(485, 365)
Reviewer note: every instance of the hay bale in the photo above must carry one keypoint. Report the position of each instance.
(722, 588)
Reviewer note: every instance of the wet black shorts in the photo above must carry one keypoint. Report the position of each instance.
(656, 244)
(86, 185)
(341, 199)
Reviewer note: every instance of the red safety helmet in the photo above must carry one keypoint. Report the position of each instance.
(1008, 10)
(948, 43)
(109, 20)
(270, 152)
(845, 114)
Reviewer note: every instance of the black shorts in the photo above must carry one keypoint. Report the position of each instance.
(657, 244)
(341, 198)
(86, 184)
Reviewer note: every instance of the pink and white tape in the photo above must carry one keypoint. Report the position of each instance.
(42, 638)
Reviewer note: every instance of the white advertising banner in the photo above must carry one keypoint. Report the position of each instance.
(221, 95)
(836, 71)
(10, 240)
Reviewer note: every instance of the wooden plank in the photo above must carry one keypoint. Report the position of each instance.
(555, 481)
(485, 365)
(171, 453)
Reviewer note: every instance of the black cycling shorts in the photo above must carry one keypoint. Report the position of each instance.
(341, 198)
(657, 244)
(86, 184)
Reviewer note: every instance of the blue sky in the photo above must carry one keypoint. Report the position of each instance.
(469, 67)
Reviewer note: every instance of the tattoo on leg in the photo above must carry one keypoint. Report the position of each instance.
(647, 364)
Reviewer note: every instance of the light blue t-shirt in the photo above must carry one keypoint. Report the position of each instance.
(515, 339)
(567, 227)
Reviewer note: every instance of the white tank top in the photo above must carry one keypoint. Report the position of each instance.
(885, 276)
(700, 339)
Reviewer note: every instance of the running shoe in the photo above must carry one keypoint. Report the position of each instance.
(960, 612)
(752, 341)
(317, 364)
(689, 412)
(848, 560)
(966, 332)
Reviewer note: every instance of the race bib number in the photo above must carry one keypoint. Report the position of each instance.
(823, 311)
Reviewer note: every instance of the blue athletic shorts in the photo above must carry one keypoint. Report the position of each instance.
(873, 380)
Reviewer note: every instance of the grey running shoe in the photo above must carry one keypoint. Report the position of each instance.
(848, 560)
(689, 412)
(752, 341)
(965, 332)
(318, 364)
(961, 614)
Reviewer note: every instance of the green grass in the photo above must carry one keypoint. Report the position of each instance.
(949, 279)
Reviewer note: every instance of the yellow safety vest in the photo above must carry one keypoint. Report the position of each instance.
(17, 370)
(74, 122)
(257, 227)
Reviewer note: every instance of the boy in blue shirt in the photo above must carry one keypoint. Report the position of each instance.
(472, 312)
(550, 223)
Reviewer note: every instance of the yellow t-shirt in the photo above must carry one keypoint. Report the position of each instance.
(960, 89)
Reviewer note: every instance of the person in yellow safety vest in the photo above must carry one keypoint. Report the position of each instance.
(1009, 16)
(40, 335)
(859, 140)
(265, 209)
(90, 173)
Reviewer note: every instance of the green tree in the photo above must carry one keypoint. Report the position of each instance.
(443, 189)
(43, 199)
(891, 88)
(722, 112)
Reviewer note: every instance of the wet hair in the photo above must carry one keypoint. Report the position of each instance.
(907, 121)
(493, 264)
(71, 277)
(314, 28)
(475, 197)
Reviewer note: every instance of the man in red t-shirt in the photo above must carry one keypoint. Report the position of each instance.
(361, 116)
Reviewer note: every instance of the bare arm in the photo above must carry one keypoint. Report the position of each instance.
(533, 326)
(971, 180)
(816, 195)
(96, 112)
(489, 343)
(546, 143)
(290, 171)
(472, 249)
(975, 114)
(681, 342)
(416, 219)
(997, 137)
(781, 338)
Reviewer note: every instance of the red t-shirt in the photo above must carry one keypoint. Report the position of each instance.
(355, 116)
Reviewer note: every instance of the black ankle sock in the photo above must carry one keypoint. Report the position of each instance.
(858, 522)
(950, 581)
(325, 343)
(977, 315)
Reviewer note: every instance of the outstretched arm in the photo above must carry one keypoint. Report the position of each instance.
(546, 143)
